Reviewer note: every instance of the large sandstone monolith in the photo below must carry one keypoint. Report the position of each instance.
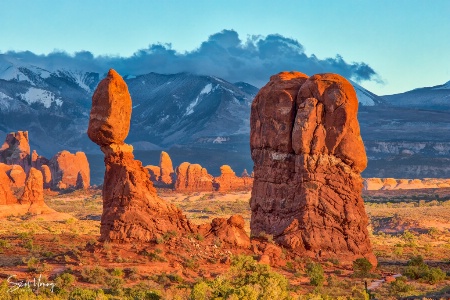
(193, 178)
(16, 150)
(69, 170)
(308, 155)
(131, 208)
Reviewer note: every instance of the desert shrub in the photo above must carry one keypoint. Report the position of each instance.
(96, 275)
(155, 255)
(64, 280)
(141, 291)
(32, 264)
(87, 294)
(117, 272)
(4, 244)
(246, 279)
(362, 267)
(399, 286)
(418, 269)
(315, 273)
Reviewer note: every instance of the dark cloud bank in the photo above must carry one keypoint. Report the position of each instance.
(223, 55)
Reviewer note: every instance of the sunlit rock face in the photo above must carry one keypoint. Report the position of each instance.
(308, 155)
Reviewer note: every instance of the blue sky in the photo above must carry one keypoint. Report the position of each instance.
(405, 43)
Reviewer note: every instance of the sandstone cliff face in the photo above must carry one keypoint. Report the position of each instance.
(308, 156)
(17, 176)
(6, 195)
(131, 208)
(69, 170)
(228, 181)
(16, 150)
(193, 178)
(371, 184)
(33, 192)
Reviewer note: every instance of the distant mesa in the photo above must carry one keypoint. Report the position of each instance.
(308, 155)
(132, 211)
(374, 184)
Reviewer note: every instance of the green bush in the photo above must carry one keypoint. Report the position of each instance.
(399, 286)
(246, 279)
(417, 269)
(96, 275)
(362, 267)
(315, 273)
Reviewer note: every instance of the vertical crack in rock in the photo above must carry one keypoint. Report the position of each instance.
(310, 200)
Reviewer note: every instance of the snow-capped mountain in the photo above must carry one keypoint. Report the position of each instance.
(186, 108)
(436, 97)
(365, 97)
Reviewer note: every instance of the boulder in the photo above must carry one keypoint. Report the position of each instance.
(230, 231)
(308, 155)
(16, 150)
(109, 121)
(193, 178)
(69, 170)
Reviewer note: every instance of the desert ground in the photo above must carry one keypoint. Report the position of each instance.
(405, 227)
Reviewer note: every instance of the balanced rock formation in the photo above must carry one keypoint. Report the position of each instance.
(131, 208)
(193, 178)
(16, 150)
(308, 155)
(69, 170)
(228, 181)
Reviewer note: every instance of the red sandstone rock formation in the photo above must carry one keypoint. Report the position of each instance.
(37, 161)
(17, 176)
(6, 195)
(308, 154)
(162, 175)
(193, 178)
(228, 181)
(153, 172)
(167, 173)
(69, 170)
(33, 192)
(47, 176)
(16, 150)
(131, 208)
(230, 231)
